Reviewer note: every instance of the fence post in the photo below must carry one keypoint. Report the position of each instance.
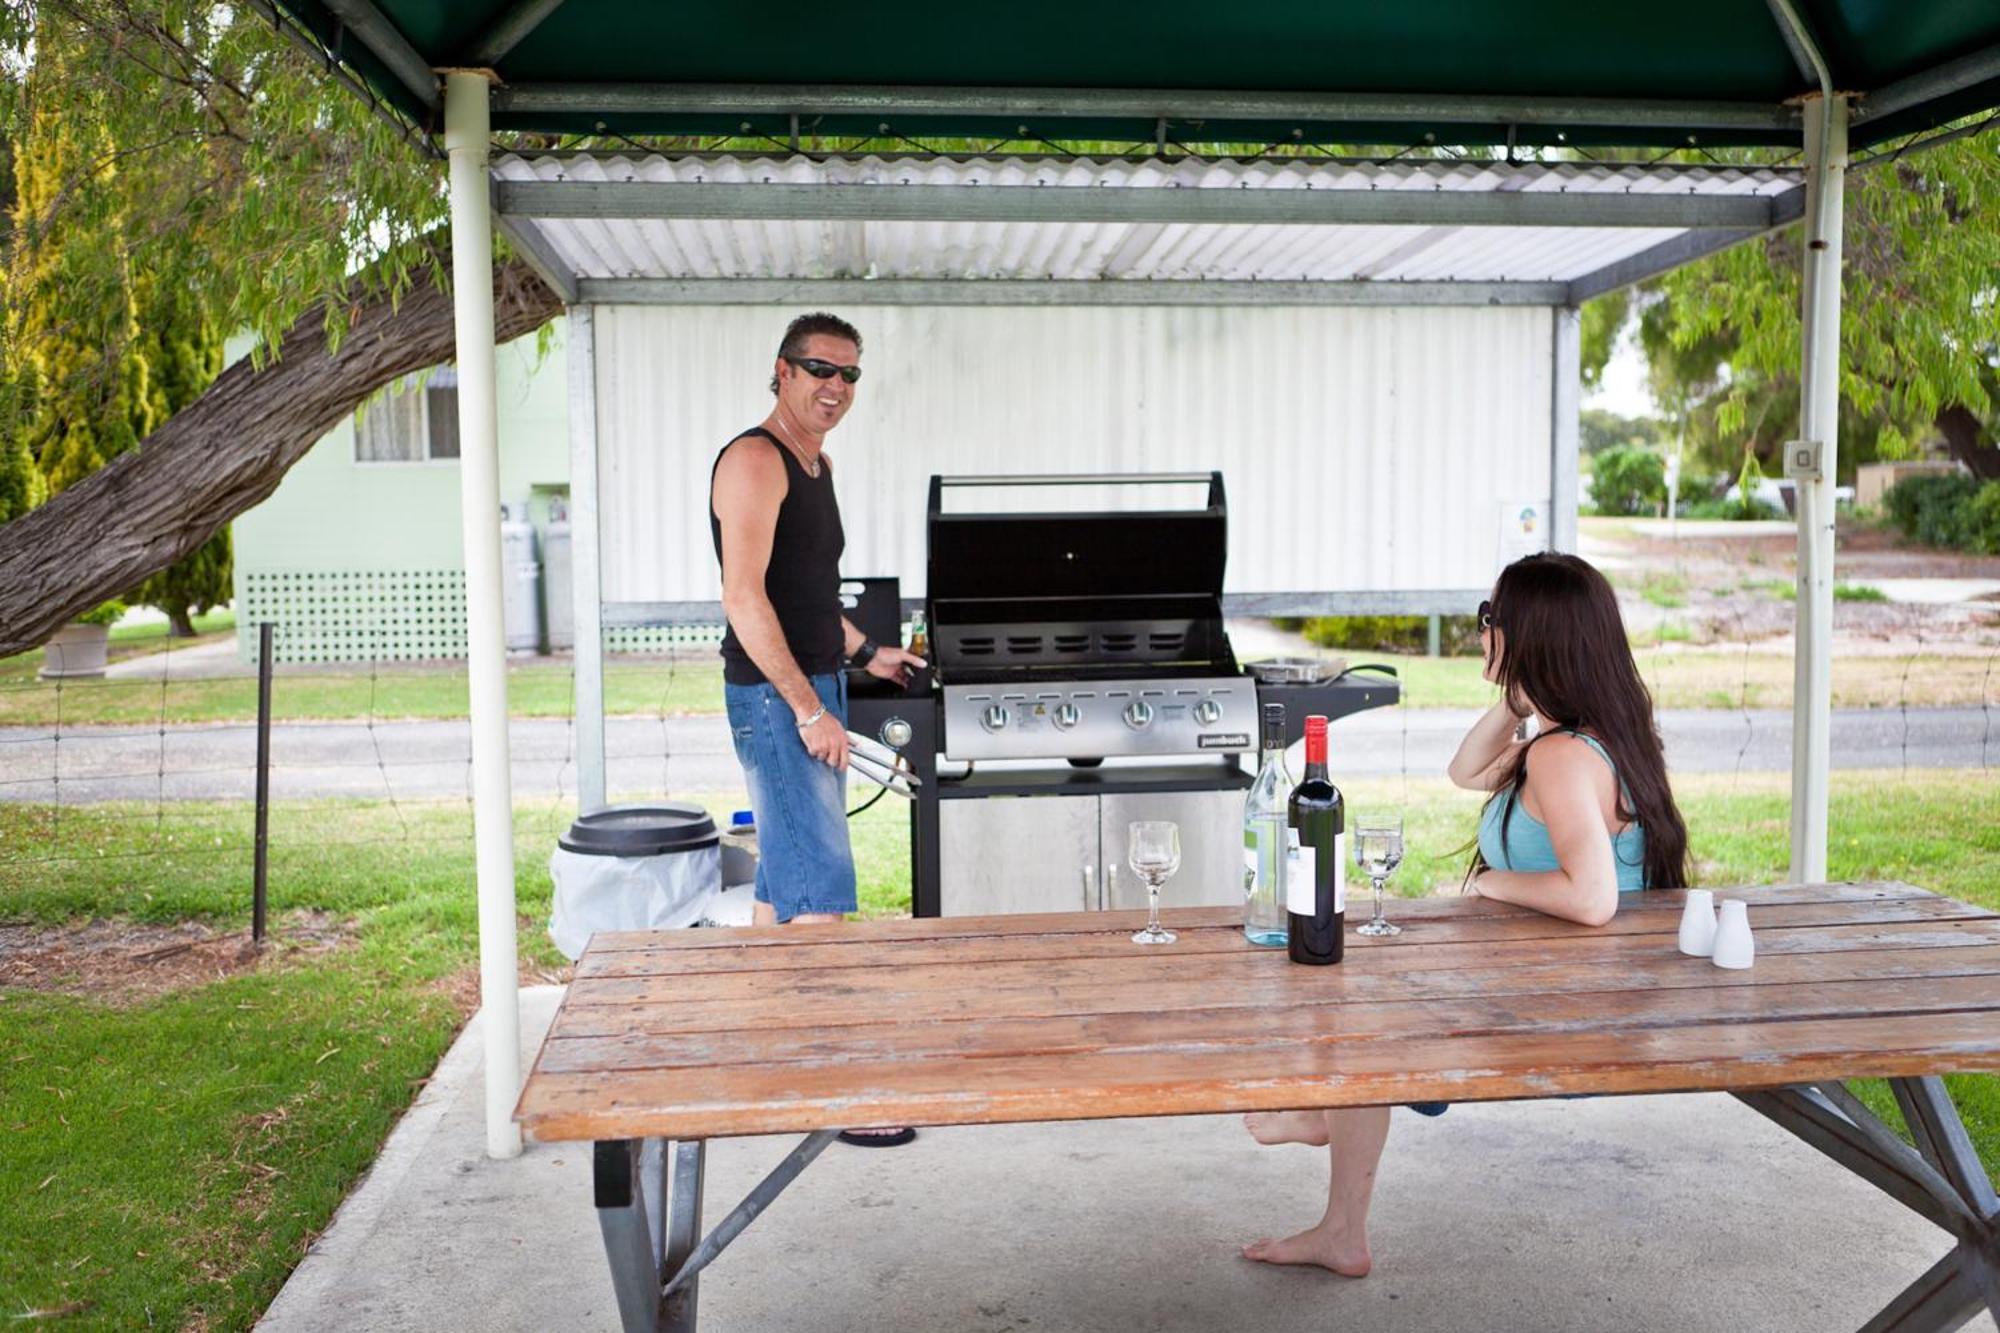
(263, 852)
(1433, 635)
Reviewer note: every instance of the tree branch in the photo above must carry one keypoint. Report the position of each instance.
(229, 449)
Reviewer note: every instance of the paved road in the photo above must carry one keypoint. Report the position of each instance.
(412, 760)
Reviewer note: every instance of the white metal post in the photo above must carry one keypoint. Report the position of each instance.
(466, 121)
(587, 596)
(1565, 424)
(1819, 411)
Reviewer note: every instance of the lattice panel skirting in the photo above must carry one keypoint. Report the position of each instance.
(372, 616)
(394, 615)
(661, 638)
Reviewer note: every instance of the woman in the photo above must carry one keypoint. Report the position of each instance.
(1580, 813)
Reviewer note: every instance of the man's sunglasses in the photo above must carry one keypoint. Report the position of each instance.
(1486, 615)
(825, 370)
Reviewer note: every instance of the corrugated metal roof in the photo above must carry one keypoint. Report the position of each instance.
(819, 249)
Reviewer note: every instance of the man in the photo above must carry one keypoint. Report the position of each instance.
(778, 537)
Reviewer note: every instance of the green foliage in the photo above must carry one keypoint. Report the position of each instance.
(108, 613)
(1599, 430)
(1457, 635)
(1858, 592)
(1601, 322)
(1919, 326)
(1628, 480)
(1948, 509)
(1735, 508)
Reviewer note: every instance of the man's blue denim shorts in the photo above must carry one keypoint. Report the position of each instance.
(804, 860)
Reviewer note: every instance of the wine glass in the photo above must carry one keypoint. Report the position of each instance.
(1154, 853)
(1378, 850)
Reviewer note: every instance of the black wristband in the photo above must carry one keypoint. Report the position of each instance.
(864, 654)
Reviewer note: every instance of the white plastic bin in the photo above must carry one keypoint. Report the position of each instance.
(633, 867)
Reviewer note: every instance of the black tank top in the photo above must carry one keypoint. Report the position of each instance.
(803, 578)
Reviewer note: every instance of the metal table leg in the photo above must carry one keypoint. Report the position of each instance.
(657, 1293)
(1941, 1178)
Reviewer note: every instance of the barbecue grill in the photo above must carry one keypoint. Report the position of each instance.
(1081, 678)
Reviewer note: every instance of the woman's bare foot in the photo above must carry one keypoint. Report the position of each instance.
(1321, 1245)
(1273, 1127)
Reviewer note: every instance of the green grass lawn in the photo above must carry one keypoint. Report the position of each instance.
(167, 1160)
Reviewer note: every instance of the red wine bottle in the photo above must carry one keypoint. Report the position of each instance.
(1316, 880)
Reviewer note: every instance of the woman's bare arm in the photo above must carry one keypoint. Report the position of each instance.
(1487, 752)
(1570, 786)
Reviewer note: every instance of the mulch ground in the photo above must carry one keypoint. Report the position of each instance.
(126, 962)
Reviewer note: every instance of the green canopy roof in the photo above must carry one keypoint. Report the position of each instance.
(1710, 72)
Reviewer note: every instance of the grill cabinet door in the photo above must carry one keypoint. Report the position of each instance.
(1211, 873)
(1017, 854)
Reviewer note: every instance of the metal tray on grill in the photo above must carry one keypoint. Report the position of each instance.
(1297, 670)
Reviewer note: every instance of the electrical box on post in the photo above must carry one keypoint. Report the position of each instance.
(1802, 460)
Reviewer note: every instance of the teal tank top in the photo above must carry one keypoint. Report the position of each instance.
(1527, 846)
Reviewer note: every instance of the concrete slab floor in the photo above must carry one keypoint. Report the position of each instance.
(1669, 1213)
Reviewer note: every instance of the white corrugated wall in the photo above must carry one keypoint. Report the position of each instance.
(1364, 449)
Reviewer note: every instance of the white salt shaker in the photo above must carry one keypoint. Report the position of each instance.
(1698, 924)
(1733, 945)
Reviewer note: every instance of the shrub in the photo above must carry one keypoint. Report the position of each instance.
(1858, 592)
(1983, 519)
(1457, 636)
(1734, 508)
(1945, 510)
(1628, 481)
(107, 613)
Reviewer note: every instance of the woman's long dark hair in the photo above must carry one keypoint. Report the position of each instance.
(1565, 655)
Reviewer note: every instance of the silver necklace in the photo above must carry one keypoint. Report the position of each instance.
(811, 465)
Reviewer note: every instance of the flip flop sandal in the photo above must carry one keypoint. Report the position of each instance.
(893, 1139)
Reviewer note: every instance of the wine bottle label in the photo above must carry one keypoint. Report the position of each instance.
(1340, 872)
(1301, 873)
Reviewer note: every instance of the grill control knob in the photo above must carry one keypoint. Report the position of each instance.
(1138, 715)
(1208, 712)
(993, 717)
(1066, 716)
(897, 732)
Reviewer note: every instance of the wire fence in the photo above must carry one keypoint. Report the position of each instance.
(159, 758)
(158, 761)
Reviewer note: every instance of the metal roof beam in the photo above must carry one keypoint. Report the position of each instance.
(508, 31)
(1174, 105)
(1786, 209)
(1060, 292)
(1942, 81)
(540, 255)
(389, 46)
(1058, 203)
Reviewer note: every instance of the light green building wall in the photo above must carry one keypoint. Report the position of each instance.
(358, 560)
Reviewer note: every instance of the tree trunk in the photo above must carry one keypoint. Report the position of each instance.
(1961, 430)
(228, 449)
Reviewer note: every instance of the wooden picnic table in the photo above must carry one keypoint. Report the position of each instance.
(684, 1036)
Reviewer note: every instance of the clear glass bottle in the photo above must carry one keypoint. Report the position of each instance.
(1266, 838)
(920, 639)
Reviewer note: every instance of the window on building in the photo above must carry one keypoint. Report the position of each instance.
(414, 420)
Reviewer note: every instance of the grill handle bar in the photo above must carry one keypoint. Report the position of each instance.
(1084, 479)
(1215, 505)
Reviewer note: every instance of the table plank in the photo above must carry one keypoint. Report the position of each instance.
(1358, 986)
(760, 1100)
(1198, 939)
(1193, 1031)
(814, 993)
(1089, 923)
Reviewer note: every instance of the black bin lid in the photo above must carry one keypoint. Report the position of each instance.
(640, 830)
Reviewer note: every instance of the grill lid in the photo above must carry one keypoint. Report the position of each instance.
(1092, 555)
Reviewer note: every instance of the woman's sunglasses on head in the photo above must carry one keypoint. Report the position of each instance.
(825, 370)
